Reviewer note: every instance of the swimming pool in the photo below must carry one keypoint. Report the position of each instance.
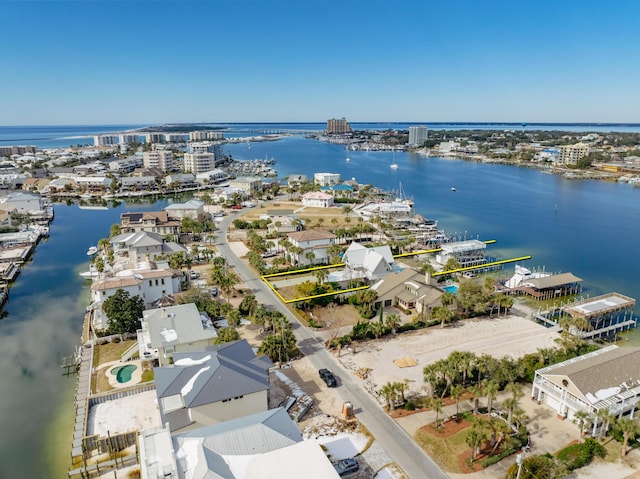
(451, 288)
(123, 373)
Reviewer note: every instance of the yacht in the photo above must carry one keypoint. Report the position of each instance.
(394, 166)
(93, 250)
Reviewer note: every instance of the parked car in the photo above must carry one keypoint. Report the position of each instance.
(236, 207)
(194, 275)
(269, 254)
(214, 291)
(346, 466)
(328, 378)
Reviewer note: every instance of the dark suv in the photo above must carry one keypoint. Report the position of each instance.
(346, 466)
(328, 377)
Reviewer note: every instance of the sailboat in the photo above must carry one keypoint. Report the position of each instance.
(394, 165)
(348, 159)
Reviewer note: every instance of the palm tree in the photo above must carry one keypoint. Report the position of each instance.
(629, 430)
(456, 393)
(447, 299)
(605, 418)
(442, 314)
(491, 389)
(475, 437)
(393, 320)
(321, 275)
(582, 419)
(437, 404)
(377, 328)
(311, 256)
(516, 393)
(389, 392)
(501, 428)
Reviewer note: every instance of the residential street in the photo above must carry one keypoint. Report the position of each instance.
(394, 440)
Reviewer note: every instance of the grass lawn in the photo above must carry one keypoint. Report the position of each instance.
(103, 354)
(444, 451)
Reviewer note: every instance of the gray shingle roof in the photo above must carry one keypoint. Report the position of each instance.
(609, 367)
(554, 280)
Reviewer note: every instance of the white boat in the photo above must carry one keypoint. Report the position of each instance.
(93, 250)
(348, 159)
(453, 189)
(394, 166)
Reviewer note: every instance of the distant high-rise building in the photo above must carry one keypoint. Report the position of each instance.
(161, 159)
(199, 162)
(105, 140)
(174, 137)
(571, 154)
(128, 138)
(154, 137)
(204, 135)
(417, 135)
(338, 126)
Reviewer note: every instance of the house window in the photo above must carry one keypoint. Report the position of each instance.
(150, 283)
(156, 282)
(162, 281)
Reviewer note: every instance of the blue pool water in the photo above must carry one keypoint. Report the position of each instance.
(451, 288)
(123, 373)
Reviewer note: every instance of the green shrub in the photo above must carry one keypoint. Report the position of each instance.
(410, 406)
(579, 455)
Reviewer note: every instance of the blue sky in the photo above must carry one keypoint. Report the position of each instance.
(98, 62)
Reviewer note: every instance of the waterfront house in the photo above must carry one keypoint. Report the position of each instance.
(190, 209)
(249, 185)
(149, 283)
(153, 221)
(407, 290)
(223, 382)
(143, 246)
(370, 263)
(317, 199)
(466, 253)
(608, 379)
(180, 180)
(174, 329)
(129, 183)
(93, 183)
(251, 447)
(21, 202)
(311, 246)
(212, 177)
(326, 179)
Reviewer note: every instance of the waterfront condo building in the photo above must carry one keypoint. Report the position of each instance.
(105, 140)
(174, 137)
(417, 135)
(154, 137)
(326, 179)
(338, 126)
(128, 138)
(204, 135)
(571, 154)
(161, 159)
(199, 162)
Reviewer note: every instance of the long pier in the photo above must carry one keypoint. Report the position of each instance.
(482, 266)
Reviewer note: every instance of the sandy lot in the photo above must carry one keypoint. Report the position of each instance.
(511, 335)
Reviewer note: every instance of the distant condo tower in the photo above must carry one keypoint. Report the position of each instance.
(338, 126)
(417, 135)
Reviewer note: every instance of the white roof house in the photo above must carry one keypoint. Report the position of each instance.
(262, 445)
(317, 199)
(181, 328)
(190, 209)
(372, 263)
(21, 202)
(144, 246)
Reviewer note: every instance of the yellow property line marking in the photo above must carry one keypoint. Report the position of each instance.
(435, 250)
(342, 291)
(485, 265)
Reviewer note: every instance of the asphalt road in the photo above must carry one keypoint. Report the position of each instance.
(400, 447)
